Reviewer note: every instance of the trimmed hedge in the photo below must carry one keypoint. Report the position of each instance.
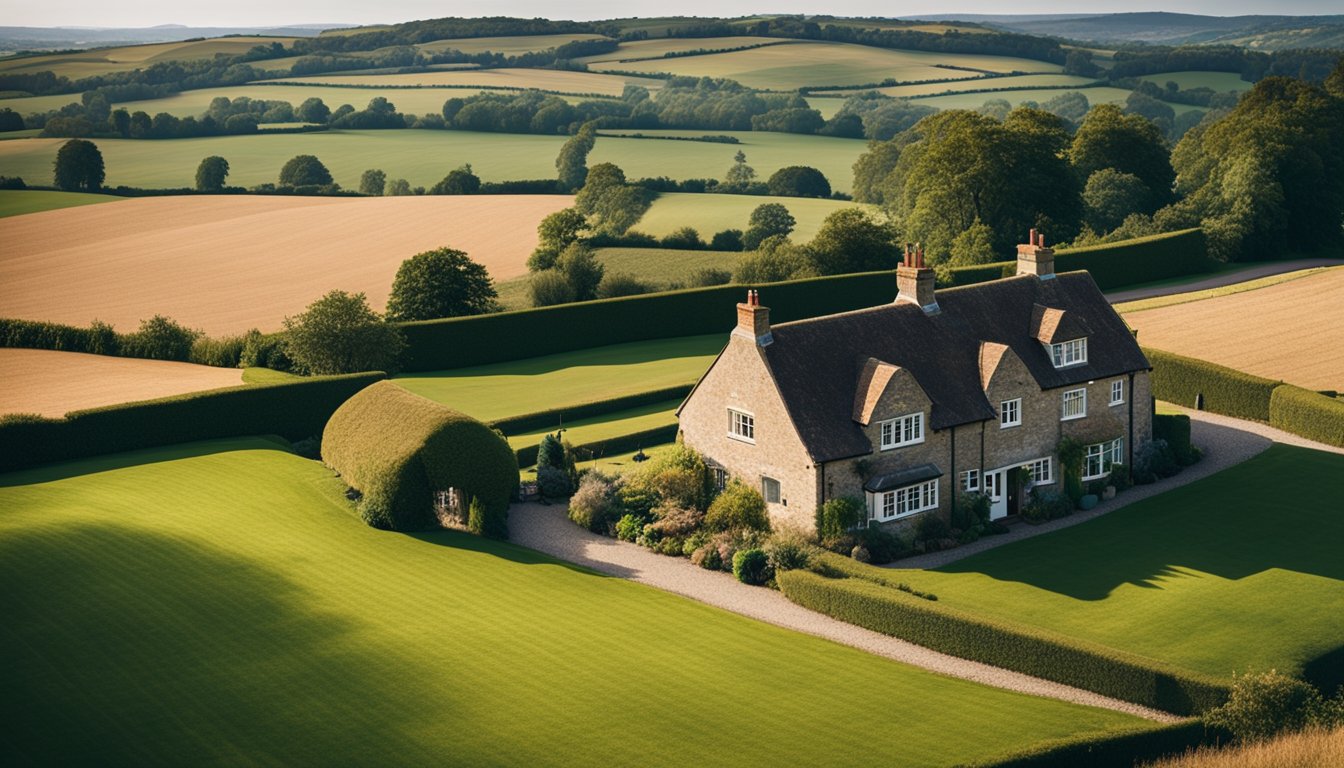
(398, 448)
(1141, 260)
(292, 409)
(546, 419)
(1175, 429)
(1023, 649)
(1309, 414)
(1111, 750)
(980, 273)
(634, 441)
(1178, 379)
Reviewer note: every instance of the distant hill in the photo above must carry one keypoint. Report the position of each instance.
(66, 38)
(1266, 33)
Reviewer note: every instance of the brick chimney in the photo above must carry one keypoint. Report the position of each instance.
(753, 320)
(914, 281)
(1034, 258)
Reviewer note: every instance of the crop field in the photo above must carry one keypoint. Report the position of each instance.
(983, 84)
(710, 213)
(271, 643)
(54, 383)
(14, 202)
(792, 66)
(506, 45)
(542, 79)
(491, 392)
(1218, 81)
(229, 263)
(1191, 577)
(101, 61)
(656, 48)
(1260, 331)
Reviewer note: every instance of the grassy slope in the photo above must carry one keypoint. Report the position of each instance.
(424, 157)
(1234, 572)
(605, 427)
(710, 213)
(15, 202)
(527, 386)
(220, 603)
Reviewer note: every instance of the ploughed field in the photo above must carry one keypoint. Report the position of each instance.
(53, 383)
(221, 602)
(1239, 571)
(225, 264)
(1292, 330)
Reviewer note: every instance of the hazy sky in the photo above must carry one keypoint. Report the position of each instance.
(144, 13)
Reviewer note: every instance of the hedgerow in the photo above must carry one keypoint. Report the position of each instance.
(1181, 380)
(1175, 429)
(1306, 413)
(293, 410)
(1141, 260)
(1023, 649)
(609, 447)
(554, 417)
(1111, 749)
(397, 449)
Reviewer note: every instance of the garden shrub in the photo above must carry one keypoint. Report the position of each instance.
(882, 546)
(550, 453)
(489, 520)
(1046, 504)
(752, 566)
(1264, 704)
(971, 512)
(707, 557)
(738, 507)
(1119, 477)
(594, 504)
(837, 517)
(629, 527)
(1020, 648)
(931, 527)
(1309, 414)
(1175, 429)
(553, 483)
(293, 410)
(1178, 379)
(1154, 461)
(674, 521)
(789, 548)
(398, 449)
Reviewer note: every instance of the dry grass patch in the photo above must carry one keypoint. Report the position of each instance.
(1309, 749)
(55, 383)
(1292, 331)
(227, 264)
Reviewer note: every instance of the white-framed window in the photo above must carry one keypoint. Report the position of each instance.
(1075, 404)
(903, 431)
(770, 490)
(720, 478)
(1117, 392)
(970, 480)
(741, 425)
(907, 501)
(1101, 457)
(1010, 413)
(1042, 471)
(1066, 353)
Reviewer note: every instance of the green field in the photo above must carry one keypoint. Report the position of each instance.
(491, 392)
(791, 66)
(1218, 81)
(544, 79)
(424, 157)
(101, 61)
(712, 213)
(511, 46)
(660, 267)
(607, 426)
(1238, 571)
(655, 48)
(14, 202)
(221, 604)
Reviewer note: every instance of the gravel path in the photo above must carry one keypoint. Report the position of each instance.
(546, 529)
(1218, 281)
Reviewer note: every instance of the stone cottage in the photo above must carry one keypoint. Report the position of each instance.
(963, 390)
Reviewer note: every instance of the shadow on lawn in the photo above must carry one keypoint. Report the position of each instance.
(635, 353)
(123, 646)
(1279, 510)
(515, 553)
(95, 464)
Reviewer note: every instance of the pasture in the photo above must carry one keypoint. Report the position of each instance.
(16, 202)
(425, 157)
(511, 46)
(225, 264)
(54, 383)
(491, 392)
(541, 79)
(713, 212)
(102, 61)
(1191, 577)
(656, 48)
(1218, 81)
(983, 84)
(290, 632)
(792, 66)
(1259, 331)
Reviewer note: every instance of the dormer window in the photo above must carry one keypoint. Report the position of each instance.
(898, 433)
(1067, 353)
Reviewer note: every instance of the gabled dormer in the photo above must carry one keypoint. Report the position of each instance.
(891, 406)
(1062, 334)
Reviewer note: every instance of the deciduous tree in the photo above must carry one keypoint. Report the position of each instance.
(79, 165)
(440, 283)
(340, 333)
(211, 174)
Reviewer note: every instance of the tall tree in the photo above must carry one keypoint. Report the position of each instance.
(1109, 138)
(852, 241)
(554, 234)
(766, 221)
(740, 175)
(304, 170)
(372, 182)
(572, 163)
(440, 283)
(79, 165)
(211, 174)
(339, 333)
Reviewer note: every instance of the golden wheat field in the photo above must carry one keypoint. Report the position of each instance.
(1313, 748)
(227, 264)
(1292, 331)
(54, 383)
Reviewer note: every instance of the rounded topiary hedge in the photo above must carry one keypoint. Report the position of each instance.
(397, 449)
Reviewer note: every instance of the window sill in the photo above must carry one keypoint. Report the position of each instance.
(1073, 418)
(904, 515)
(741, 439)
(1117, 402)
(901, 445)
(1010, 426)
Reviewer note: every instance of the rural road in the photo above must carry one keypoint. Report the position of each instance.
(1218, 281)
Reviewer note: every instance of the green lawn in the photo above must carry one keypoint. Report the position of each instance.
(221, 604)
(14, 202)
(1239, 571)
(424, 157)
(710, 213)
(607, 426)
(514, 388)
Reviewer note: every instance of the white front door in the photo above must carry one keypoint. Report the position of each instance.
(998, 500)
